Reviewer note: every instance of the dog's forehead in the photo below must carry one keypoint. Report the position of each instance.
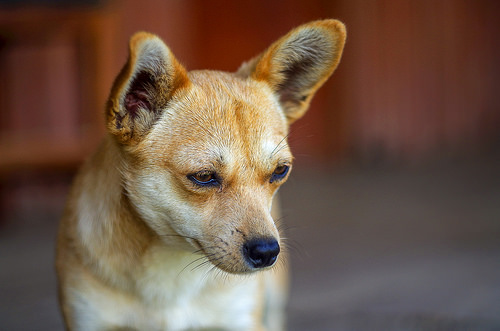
(222, 116)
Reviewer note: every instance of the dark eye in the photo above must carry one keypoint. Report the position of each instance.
(279, 173)
(204, 178)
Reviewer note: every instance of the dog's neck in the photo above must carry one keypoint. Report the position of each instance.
(103, 224)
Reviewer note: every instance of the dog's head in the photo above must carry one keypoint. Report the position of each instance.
(204, 152)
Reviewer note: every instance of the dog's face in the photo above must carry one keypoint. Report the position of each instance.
(205, 152)
(210, 167)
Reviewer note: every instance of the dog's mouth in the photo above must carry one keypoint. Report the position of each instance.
(250, 256)
(196, 243)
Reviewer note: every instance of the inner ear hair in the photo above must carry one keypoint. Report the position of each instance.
(139, 93)
(296, 65)
(142, 90)
(304, 58)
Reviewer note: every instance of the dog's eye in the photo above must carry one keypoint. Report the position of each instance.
(279, 173)
(204, 178)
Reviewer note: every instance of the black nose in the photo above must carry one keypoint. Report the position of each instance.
(261, 253)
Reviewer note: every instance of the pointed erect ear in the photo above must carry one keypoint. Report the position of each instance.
(296, 65)
(143, 88)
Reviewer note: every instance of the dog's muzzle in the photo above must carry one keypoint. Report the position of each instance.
(261, 253)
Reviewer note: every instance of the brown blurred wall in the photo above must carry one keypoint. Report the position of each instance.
(418, 78)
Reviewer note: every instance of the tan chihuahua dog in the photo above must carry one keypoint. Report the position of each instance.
(168, 225)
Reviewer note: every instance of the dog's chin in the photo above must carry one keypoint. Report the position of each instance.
(225, 260)
(236, 267)
(234, 270)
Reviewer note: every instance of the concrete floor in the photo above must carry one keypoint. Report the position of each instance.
(370, 250)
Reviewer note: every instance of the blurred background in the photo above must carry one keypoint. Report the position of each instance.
(393, 210)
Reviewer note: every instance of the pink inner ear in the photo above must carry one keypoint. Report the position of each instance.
(136, 100)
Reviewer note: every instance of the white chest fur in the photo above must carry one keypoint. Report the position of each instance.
(173, 293)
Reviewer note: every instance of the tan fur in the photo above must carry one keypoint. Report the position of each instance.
(144, 246)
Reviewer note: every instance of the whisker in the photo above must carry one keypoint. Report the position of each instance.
(280, 222)
(280, 148)
(210, 272)
(177, 235)
(294, 248)
(279, 143)
(282, 264)
(196, 261)
(201, 265)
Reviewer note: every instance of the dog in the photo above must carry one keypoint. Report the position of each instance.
(168, 225)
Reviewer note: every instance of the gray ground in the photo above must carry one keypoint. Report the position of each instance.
(371, 250)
